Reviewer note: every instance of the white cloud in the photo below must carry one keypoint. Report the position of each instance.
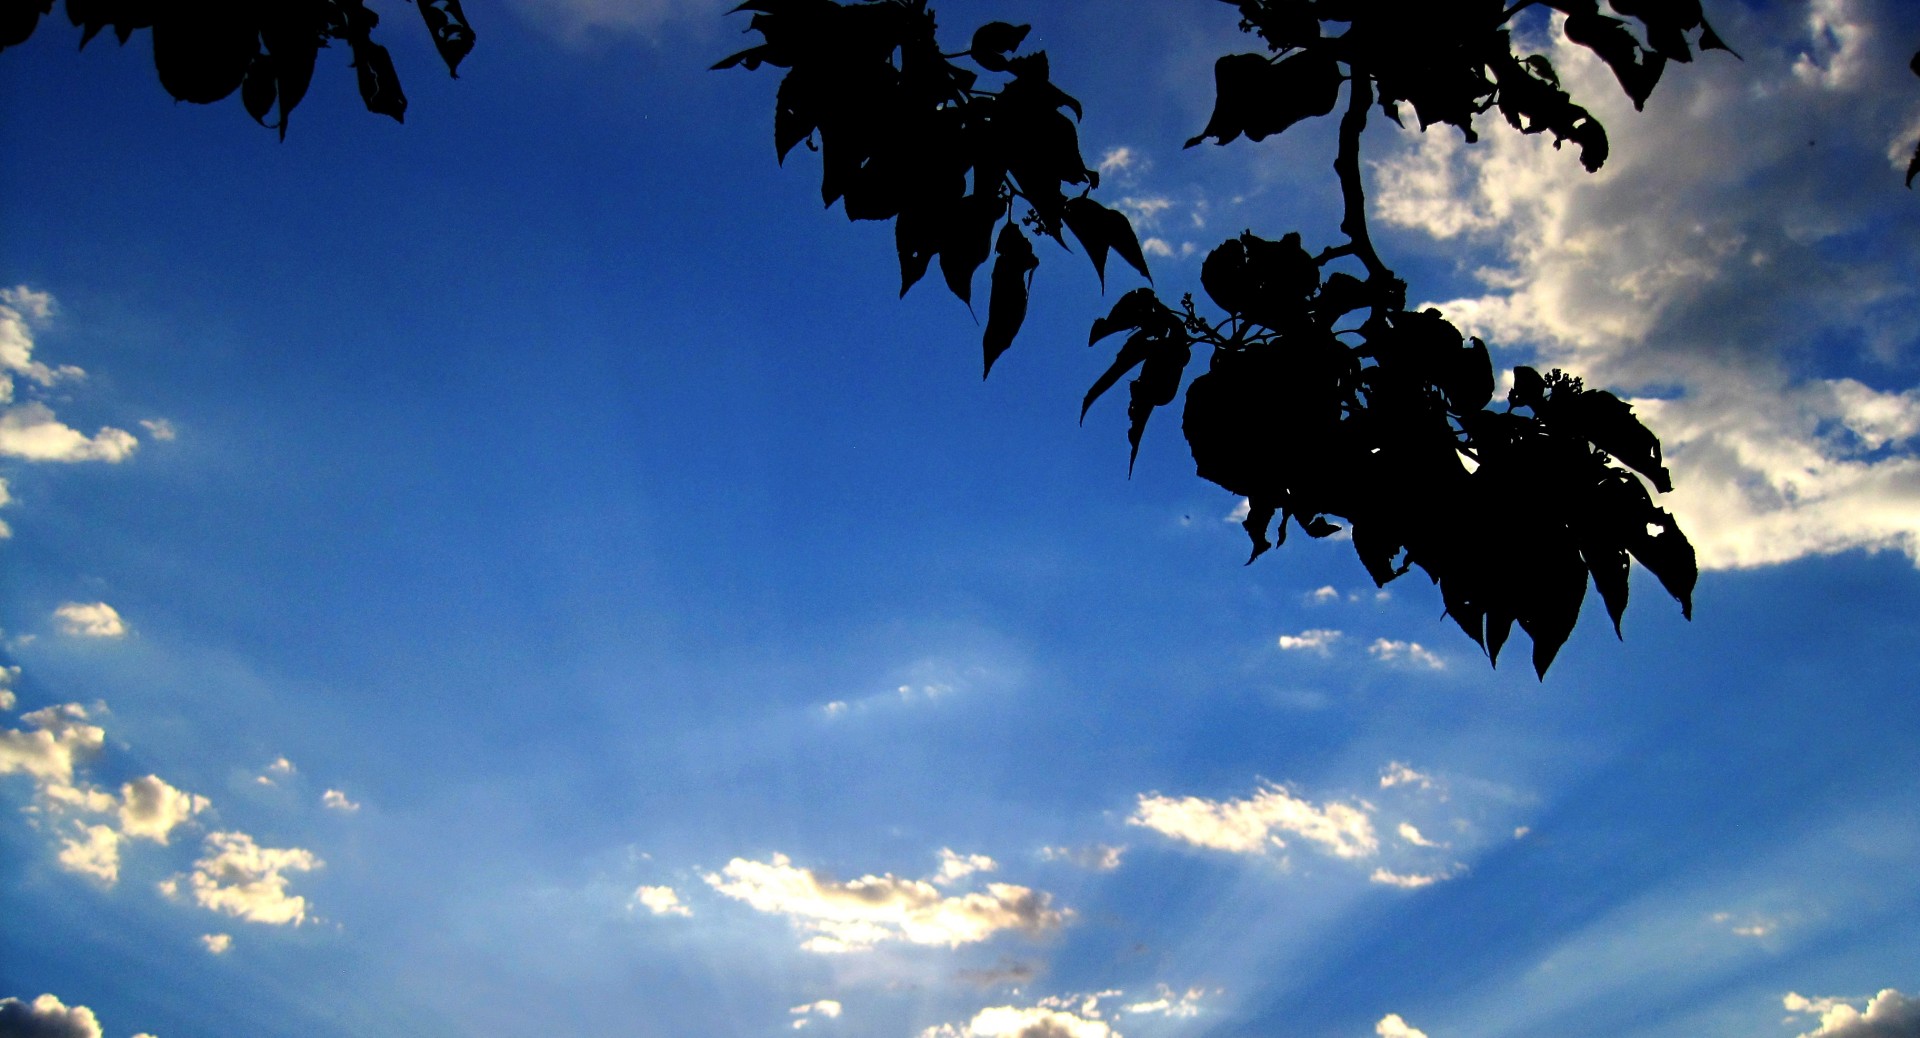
(92, 850)
(217, 943)
(1409, 880)
(8, 675)
(826, 1007)
(857, 914)
(1099, 857)
(1254, 824)
(1392, 1026)
(31, 431)
(242, 879)
(1116, 160)
(1413, 835)
(1317, 640)
(1889, 1014)
(956, 867)
(1181, 1004)
(1024, 1022)
(1720, 241)
(90, 620)
(1325, 593)
(661, 901)
(335, 800)
(150, 808)
(159, 428)
(48, 753)
(6, 498)
(46, 1017)
(1397, 773)
(1747, 925)
(1412, 653)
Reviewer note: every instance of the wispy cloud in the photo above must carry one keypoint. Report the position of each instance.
(804, 1014)
(1099, 857)
(1388, 650)
(855, 915)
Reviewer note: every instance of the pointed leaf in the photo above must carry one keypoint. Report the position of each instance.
(1007, 309)
(452, 33)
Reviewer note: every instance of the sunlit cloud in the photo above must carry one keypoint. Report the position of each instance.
(335, 800)
(150, 808)
(46, 750)
(1318, 640)
(1694, 269)
(1024, 1022)
(1180, 1004)
(1253, 825)
(92, 850)
(46, 1017)
(804, 1014)
(661, 901)
(857, 914)
(1888, 1014)
(1408, 832)
(1398, 773)
(1409, 880)
(159, 428)
(1392, 1026)
(8, 675)
(956, 867)
(240, 878)
(217, 943)
(90, 620)
(1387, 650)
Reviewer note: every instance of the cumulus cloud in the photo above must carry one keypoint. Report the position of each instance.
(1734, 225)
(150, 808)
(1387, 650)
(217, 943)
(32, 432)
(92, 850)
(661, 901)
(55, 737)
(242, 879)
(1254, 824)
(956, 867)
(1024, 1022)
(1889, 1014)
(1099, 857)
(335, 800)
(46, 1017)
(1318, 640)
(1392, 1026)
(90, 620)
(857, 914)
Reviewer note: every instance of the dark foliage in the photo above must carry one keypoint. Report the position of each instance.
(204, 50)
(1324, 397)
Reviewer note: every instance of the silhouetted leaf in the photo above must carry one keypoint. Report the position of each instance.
(18, 18)
(1165, 356)
(1136, 309)
(1258, 98)
(1637, 71)
(379, 84)
(1007, 309)
(992, 43)
(452, 33)
(202, 49)
(967, 241)
(1098, 229)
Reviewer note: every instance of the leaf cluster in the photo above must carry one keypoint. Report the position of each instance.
(947, 152)
(204, 50)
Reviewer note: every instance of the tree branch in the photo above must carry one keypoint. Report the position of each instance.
(1346, 165)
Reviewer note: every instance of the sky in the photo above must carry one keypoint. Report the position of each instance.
(524, 572)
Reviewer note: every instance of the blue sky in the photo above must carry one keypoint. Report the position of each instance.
(523, 572)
